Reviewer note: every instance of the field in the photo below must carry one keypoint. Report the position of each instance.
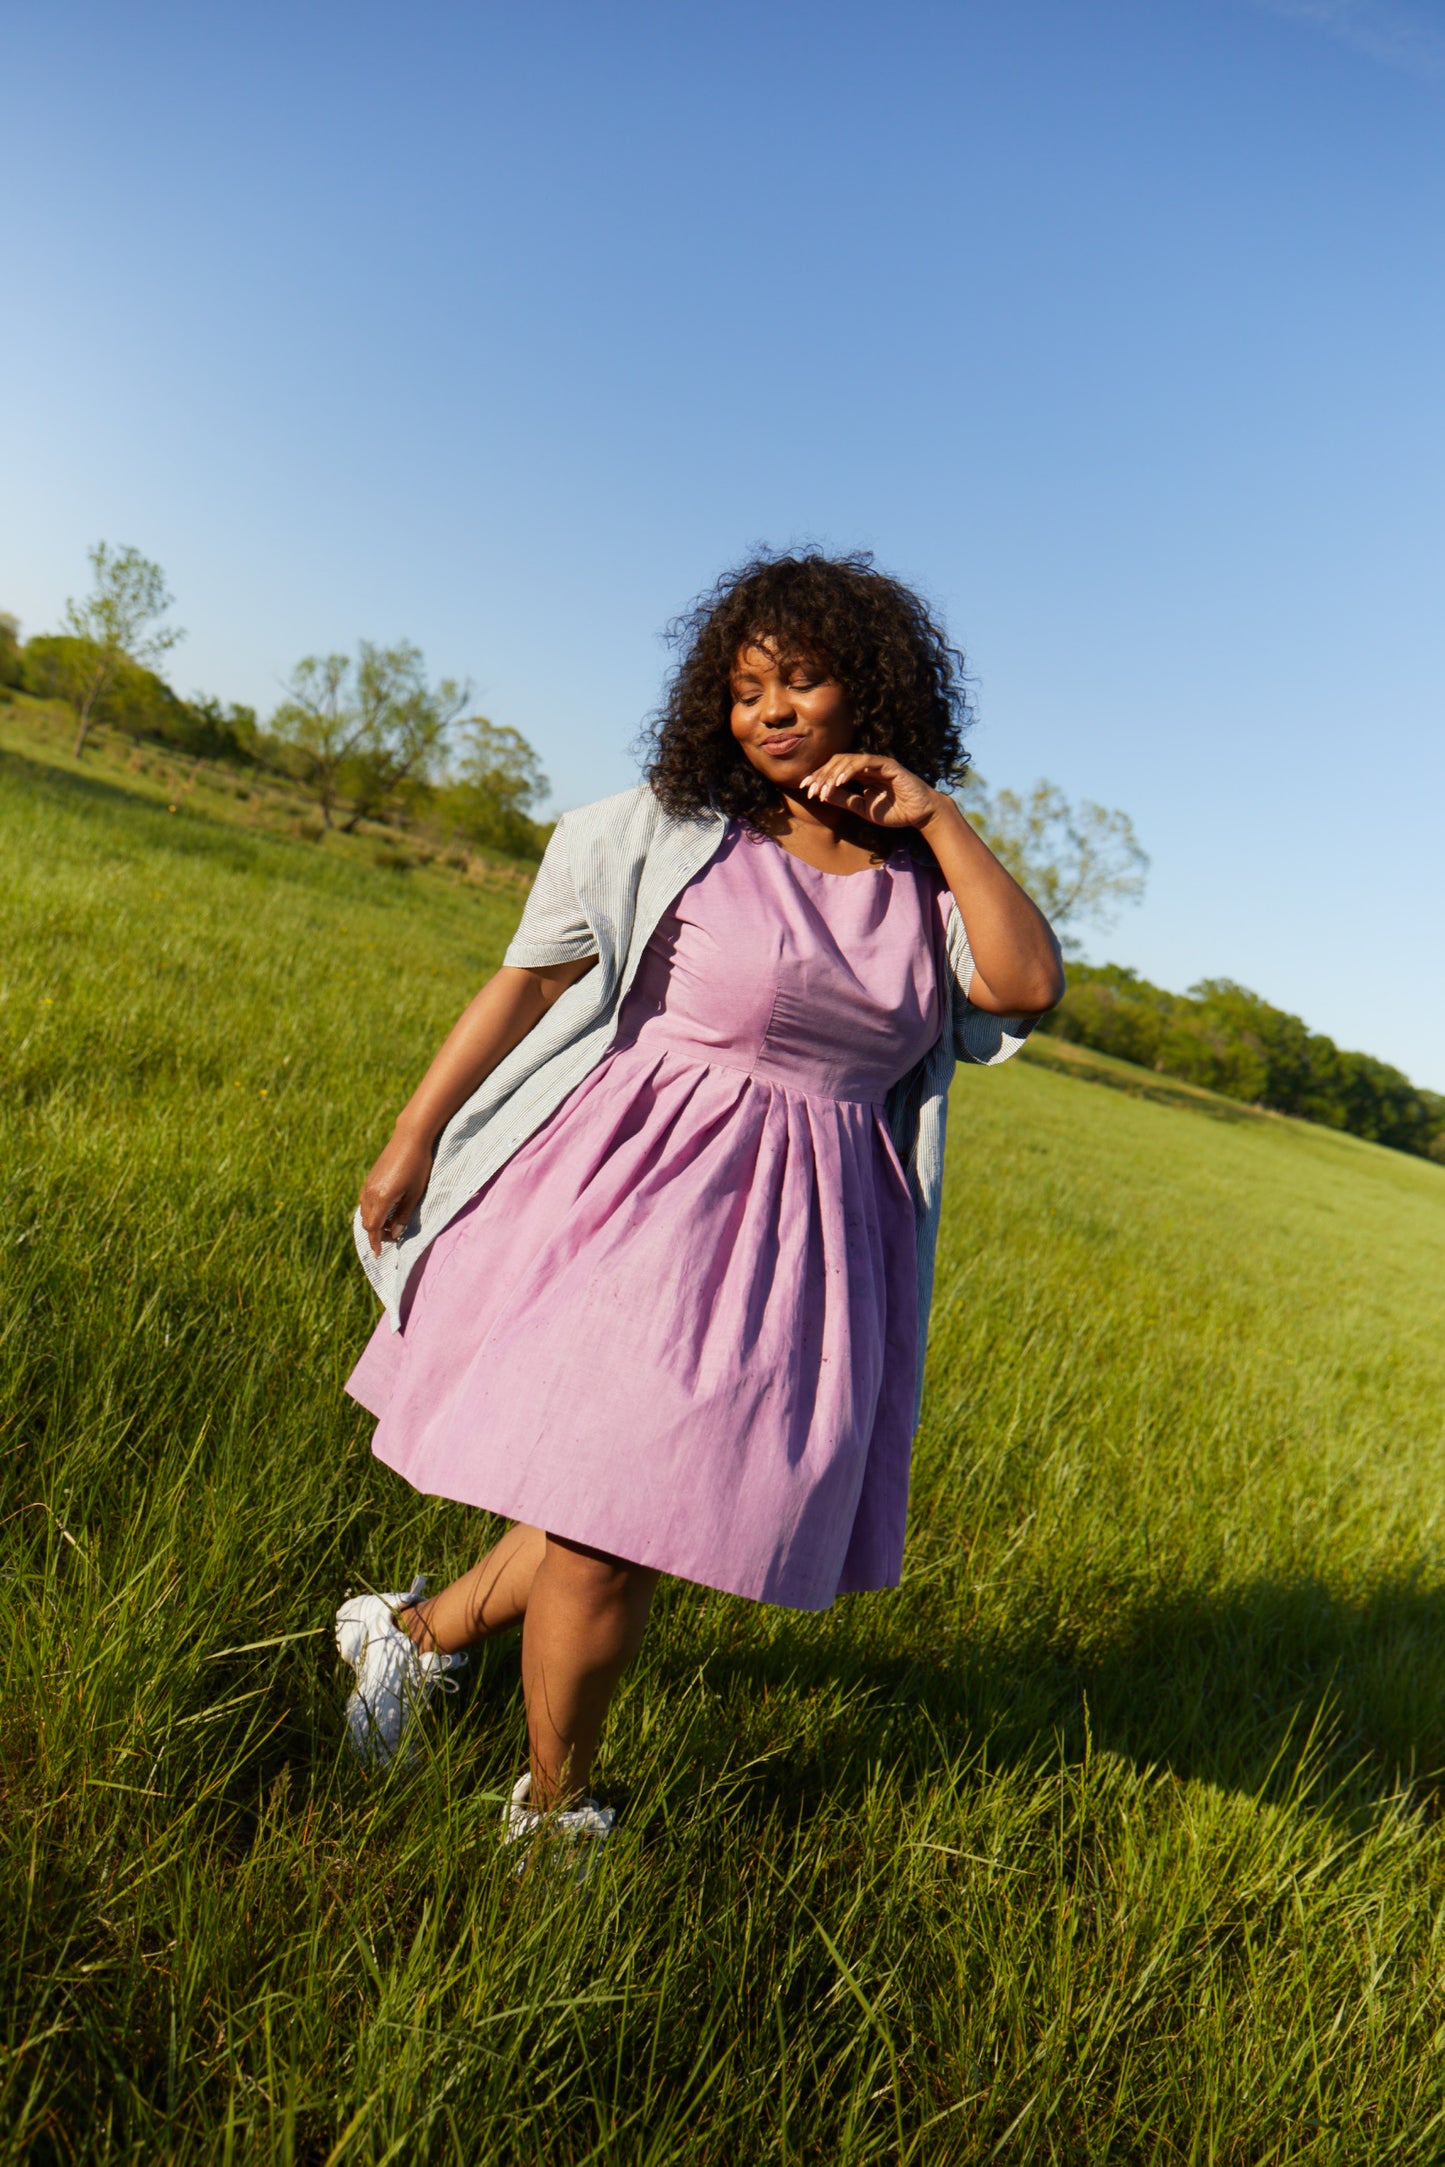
(252, 798)
(1114, 1836)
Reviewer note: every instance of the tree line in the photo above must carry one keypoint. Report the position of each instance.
(369, 736)
(1221, 1035)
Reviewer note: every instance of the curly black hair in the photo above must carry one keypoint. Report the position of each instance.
(870, 632)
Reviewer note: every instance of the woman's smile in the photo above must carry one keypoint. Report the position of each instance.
(787, 714)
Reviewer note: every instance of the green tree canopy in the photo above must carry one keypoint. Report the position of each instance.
(134, 700)
(223, 729)
(139, 703)
(495, 785)
(12, 665)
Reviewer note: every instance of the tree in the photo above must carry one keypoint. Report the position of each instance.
(117, 622)
(408, 725)
(366, 731)
(224, 730)
(1079, 863)
(317, 728)
(12, 663)
(135, 700)
(496, 783)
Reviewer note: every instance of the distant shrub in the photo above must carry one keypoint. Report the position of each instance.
(224, 730)
(471, 813)
(12, 665)
(142, 705)
(393, 858)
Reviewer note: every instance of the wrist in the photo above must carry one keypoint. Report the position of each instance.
(413, 1126)
(942, 813)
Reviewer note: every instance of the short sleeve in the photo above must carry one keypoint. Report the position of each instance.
(978, 1035)
(553, 928)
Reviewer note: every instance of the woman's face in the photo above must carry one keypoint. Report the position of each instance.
(787, 717)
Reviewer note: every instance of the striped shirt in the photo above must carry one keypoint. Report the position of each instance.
(609, 873)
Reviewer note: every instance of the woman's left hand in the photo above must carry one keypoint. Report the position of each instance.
(890, 796)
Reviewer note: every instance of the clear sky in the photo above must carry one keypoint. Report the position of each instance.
(1116, 327)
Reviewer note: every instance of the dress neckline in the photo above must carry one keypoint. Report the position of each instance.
(822, 870)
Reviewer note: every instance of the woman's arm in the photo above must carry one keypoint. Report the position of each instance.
(1018, 968)
(499, 1018)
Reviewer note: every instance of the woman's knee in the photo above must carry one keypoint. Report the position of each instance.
(596, 1576)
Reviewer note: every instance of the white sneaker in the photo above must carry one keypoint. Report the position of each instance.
(588, 1823)
(393, 1678)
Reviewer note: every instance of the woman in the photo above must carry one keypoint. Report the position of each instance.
(655, 1231)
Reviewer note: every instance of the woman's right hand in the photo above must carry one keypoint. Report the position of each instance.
(394, 1188)
(493, 1022)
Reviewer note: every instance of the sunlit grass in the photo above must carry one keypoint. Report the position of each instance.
(1112, 1836)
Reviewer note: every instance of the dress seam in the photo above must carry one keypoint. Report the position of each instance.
(749, 1075)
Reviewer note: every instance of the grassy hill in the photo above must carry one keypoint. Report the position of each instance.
(40, 731)
(1112, 1836)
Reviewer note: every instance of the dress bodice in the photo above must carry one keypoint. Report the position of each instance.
(819, 982)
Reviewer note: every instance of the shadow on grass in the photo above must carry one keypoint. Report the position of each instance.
(1234, 1686)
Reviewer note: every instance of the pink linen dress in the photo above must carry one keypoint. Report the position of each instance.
(680, 1323)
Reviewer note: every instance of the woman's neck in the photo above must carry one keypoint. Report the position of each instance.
(826, 835)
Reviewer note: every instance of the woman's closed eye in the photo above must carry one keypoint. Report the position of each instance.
(749, 696)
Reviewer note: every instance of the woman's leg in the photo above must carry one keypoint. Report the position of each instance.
(585, 1614)
(486, 1600)
(586, 1617)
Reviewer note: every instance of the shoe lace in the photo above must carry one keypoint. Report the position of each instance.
(442, 1677)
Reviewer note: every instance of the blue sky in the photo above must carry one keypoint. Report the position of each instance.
(1116, 327)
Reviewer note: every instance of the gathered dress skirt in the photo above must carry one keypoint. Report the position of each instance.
(680, 1323)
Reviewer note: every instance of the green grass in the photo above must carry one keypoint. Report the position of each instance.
(37, 730)
(1113, 1836)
